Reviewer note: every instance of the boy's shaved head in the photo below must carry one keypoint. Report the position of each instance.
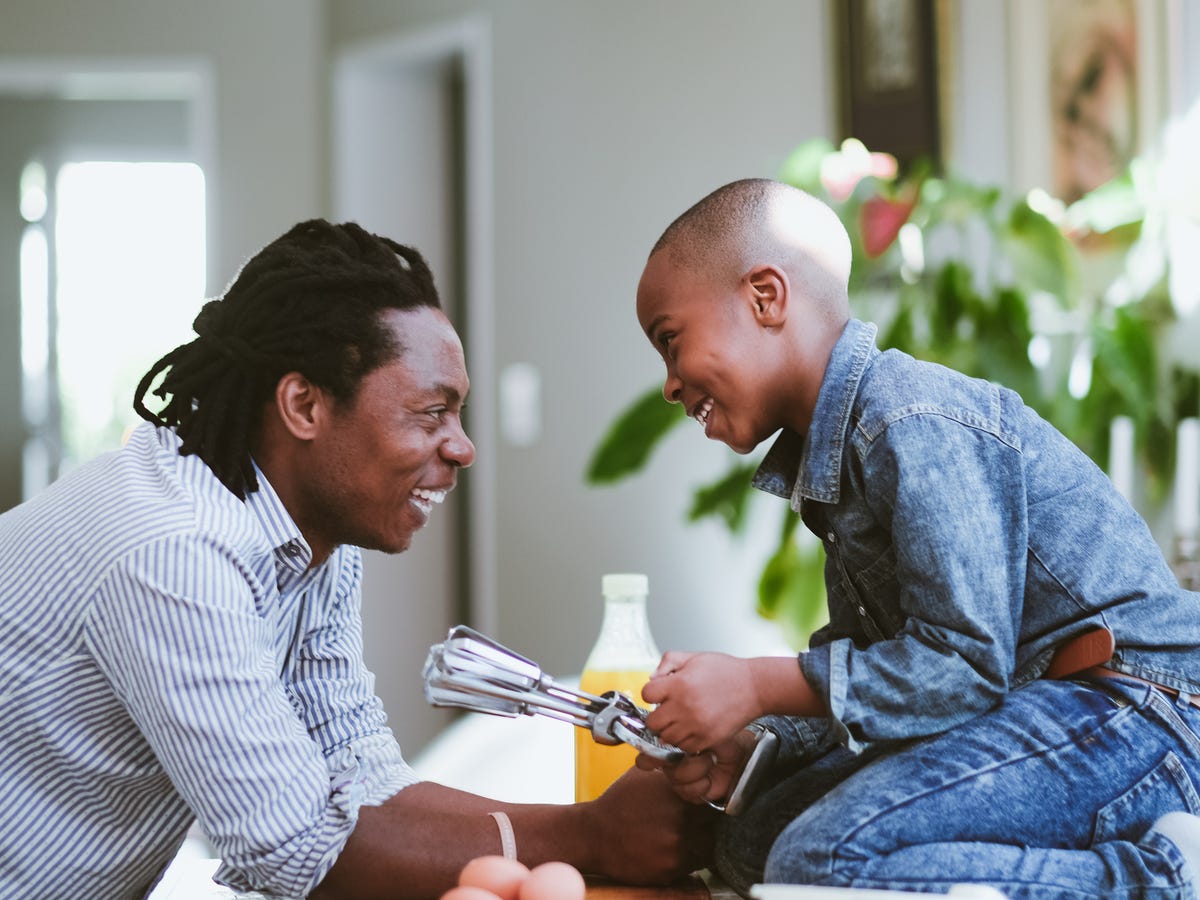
(758, 221)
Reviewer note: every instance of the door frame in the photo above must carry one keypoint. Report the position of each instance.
(467, 42)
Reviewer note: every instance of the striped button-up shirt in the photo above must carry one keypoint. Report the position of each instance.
(166, 654)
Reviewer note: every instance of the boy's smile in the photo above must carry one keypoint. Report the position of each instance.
(711, 343)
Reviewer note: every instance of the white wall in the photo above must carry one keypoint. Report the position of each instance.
(610, 119)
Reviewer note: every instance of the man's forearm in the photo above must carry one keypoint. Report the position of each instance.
(416, 843)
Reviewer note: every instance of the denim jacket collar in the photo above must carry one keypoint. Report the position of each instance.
(798, 468)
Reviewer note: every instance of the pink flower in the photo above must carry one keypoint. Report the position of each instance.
(842, 170)
(880, 220)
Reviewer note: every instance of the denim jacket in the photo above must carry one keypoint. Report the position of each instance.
(966, 539)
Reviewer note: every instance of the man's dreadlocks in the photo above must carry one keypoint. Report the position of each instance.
(308, 302)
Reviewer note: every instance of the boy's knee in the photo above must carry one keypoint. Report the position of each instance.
(814, 849)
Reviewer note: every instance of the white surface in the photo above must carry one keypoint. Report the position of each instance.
(530, 759)
(804, 892)
(189, 877)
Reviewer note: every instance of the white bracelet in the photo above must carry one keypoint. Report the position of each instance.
(508, 840)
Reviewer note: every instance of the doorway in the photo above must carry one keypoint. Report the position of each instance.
(411, 160)
(71, 316)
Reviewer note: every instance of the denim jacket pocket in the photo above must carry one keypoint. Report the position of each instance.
(878, 586)
(1164, 788)
(871, 593)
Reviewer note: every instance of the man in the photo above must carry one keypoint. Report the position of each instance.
(181, 636)
(967, 541)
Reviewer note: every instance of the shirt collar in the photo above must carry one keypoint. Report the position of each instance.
(799, 468)
(291, 550)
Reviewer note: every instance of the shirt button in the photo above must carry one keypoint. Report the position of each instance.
(291, 550)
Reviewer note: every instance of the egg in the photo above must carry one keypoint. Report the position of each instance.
(503, 877)
(553, 881)
(468, 893)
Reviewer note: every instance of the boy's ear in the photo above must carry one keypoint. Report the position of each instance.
(770, 292)
(300, 405)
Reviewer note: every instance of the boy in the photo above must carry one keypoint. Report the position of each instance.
(967, 540)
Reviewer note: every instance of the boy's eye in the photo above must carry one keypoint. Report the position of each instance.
(664, 340)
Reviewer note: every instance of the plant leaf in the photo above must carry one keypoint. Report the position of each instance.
(1113, 205)
(802, 168)
(725, 497)
(1041, 254)
(791, 589)
(632, 437)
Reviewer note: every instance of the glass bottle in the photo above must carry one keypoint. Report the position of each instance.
(623, 658)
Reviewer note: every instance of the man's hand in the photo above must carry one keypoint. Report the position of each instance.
(703, 699)
(646, 834)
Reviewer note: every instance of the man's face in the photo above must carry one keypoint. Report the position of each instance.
(385, 460)
(712, 345)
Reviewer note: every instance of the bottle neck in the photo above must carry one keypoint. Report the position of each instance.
(625, 641)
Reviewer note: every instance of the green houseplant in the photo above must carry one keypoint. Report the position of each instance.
(1018, 290)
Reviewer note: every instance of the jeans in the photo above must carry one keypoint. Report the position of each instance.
(1053, 794)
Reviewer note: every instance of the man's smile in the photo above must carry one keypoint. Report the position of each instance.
(424, 499)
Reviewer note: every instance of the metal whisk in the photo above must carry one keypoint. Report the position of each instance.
(472, 671)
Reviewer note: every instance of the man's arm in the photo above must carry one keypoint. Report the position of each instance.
(415, 844)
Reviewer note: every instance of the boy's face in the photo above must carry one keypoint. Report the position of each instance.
(713, 345)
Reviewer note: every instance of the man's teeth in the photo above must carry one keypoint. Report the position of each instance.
(426, 499)
(701, 414)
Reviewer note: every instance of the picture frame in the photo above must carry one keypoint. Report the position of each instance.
(1090, 87)
(890, 93)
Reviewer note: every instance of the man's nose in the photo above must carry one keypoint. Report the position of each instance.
(459, 449)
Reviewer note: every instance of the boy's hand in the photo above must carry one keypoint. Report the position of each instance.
(708, 776)
(703, 699)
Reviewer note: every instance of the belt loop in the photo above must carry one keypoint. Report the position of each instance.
(1183, 700)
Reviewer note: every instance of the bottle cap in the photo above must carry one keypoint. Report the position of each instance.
(624, 585)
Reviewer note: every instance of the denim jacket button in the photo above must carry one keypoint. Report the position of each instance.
(862, 611)
(832, 538)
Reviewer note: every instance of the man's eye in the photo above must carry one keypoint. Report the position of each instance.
(438, 413)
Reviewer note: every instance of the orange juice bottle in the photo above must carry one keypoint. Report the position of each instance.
(622, 659)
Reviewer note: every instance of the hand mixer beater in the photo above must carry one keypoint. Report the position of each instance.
(472, 671)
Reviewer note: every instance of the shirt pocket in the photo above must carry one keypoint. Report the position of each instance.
(878, 592)
(1164, 788)
(870, 592)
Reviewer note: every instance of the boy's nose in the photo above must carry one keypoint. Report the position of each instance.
(672, 389)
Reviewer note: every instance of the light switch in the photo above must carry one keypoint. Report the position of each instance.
(521, 404)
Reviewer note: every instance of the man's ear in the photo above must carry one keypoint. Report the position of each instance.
(770, 292)
(300, 405)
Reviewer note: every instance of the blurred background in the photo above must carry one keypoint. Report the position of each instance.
(535, 150)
